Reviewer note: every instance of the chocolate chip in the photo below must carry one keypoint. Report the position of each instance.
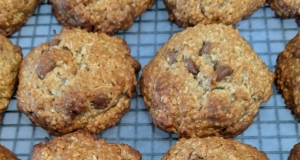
(191, 66)
(172, 57)
(101, 101)
(26, 1)
(44, 66)
(75, 102)
(54, 42)
(297, 53)
(222, 71)
(205, 48)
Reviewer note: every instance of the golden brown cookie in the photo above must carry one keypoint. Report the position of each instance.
(15, 13)
(288, 75)
(81, 145)
(213, 148)
(192, 12)
(6, 154)
(10, 61)
(77, 80)
(286, 9)
(295, 152)
(108, 16)
(205, 81)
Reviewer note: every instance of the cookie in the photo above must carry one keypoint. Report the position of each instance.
(295, 152)
(15, 13)
(81, 145)
(205, 81)
(192, 12)
(6, 154)
(213, 148)
(10, 61)
(288, 75)
(286, 9)
(77, 80)
(108, 16)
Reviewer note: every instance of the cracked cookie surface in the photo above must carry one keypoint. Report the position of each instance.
(77, 80)
(213, 148)
(286, 9)
(82, 145)
(108, 16)
(288, 75)
(15, 13)
(191, 12)
(6, 154)
(205, 81)
(10, 61)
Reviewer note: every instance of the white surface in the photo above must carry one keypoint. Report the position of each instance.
(274, 130)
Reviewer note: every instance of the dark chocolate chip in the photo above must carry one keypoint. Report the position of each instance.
(297, 53)
(222, 71)
(54, 42)
(75, 103)
(191, 66)
(101, 101)
(26, 1)
(172, 57)
(44, 66)
(205, 48)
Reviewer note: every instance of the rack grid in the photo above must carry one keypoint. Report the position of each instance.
(273, 131)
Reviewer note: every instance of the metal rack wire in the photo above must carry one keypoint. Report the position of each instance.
(274, 130)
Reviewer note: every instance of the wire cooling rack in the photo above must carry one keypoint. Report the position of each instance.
(274, 130)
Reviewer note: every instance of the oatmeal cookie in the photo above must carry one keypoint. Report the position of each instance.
(191, 12)
(82, 145)
(108, 16)
(10, 61)
(77, 80)
(286, 9)
(295, 152)
(205, 81)
(15, 13)
(6, 154)
(213, 148)
(288, 75)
